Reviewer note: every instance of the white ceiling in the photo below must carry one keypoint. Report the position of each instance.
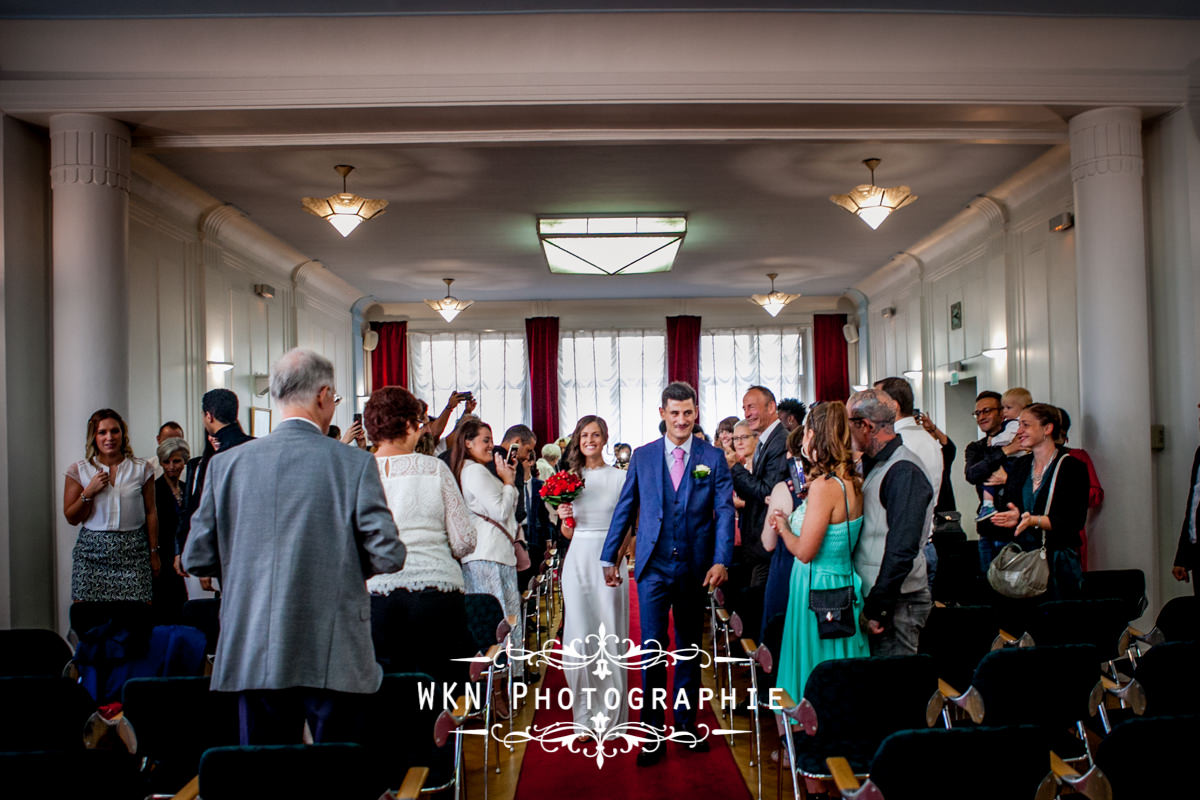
(754, 181)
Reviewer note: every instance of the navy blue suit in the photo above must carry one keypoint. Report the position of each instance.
(681, 534)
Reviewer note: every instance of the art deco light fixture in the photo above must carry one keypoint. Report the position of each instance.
(611, 245)
(774, 302)
(344, 210)
(872, 204)
(449, 306)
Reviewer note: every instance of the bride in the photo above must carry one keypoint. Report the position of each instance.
(589, 604)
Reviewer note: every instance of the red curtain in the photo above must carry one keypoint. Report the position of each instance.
(541, 340)
(830, 359)
(683, 350)
(389, 360)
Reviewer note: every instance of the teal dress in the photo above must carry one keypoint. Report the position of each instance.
(802, 647)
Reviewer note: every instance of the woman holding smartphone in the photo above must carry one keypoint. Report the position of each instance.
(492, 500)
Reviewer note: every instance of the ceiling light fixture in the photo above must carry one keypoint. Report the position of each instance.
(344, 210)
(774, 302)
(611, 245)
(449, 306)
(872, 204)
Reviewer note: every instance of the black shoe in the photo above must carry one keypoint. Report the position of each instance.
(648, 758)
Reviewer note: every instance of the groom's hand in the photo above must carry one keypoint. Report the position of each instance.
(717, 575)
(612, 576)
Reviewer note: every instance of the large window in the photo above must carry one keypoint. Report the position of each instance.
(492, 365)
(618, 375)
(733, 360)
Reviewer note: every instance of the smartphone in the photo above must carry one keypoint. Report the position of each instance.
(358, 418)
(512, 453)
(917, 413)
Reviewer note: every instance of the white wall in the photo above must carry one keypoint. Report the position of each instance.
(1172, 176)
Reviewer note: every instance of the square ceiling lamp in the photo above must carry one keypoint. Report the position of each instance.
(611, 245)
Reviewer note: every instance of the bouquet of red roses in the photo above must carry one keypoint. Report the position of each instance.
(562, 487)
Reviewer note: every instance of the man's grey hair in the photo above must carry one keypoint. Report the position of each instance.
(298, 375)
(872, 404)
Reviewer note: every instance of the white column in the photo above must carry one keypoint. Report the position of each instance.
(89, 173)
(1114, 338)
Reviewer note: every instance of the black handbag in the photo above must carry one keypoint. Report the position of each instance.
(834, 608)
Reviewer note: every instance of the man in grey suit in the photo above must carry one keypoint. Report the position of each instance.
(293, 524)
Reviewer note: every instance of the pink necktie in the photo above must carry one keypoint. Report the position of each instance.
(676, 467)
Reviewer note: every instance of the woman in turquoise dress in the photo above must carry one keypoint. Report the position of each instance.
(821, 534)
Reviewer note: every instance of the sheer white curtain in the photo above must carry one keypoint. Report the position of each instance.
(733, 360)
(618, 375)
(492, 365)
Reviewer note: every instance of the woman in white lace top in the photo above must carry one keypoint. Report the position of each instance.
(418, 621)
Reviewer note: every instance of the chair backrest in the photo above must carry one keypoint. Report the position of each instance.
(341, 771)
(1008, 763)
(1149, 756)
(1179, 619)
(1167, 673)
(176, 720)
(132, 615)
(1099, 622)
(1127, 585)
(95, 774)
(32, 651)
(43, 714)
(859, 702)
(1043, 685)
(957, 637)
(484, 614)
(204, 614)
(402, 731)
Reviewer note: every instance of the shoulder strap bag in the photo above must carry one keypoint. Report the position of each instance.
(1019, 573)
(519, 549)
(834, 608)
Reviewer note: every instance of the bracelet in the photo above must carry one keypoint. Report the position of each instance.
(85, 498)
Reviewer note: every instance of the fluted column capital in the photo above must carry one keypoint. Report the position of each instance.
(1106, 141)
(86, 149)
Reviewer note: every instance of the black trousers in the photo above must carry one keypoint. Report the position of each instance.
(277, 716)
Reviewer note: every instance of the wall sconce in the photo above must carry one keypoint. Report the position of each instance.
(996, 352)
(913, 375)
(264, 290)
(859, 387)
(1064, 221)
(221, 366)
(888, 312)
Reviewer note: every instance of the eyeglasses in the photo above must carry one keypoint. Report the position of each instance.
(744, 438)
(857, 420)
(337, 398)
(984, 411)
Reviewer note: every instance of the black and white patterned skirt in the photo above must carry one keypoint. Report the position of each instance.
(111, 565)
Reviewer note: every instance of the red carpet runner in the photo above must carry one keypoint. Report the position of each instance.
(680, 774)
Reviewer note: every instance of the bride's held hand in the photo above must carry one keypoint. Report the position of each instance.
(565, 511)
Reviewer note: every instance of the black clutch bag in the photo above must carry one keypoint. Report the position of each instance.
(835, 611)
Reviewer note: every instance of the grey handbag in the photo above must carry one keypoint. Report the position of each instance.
(1018, 573)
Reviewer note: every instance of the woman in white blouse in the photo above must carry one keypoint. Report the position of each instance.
(492, 500)
(418, 620)
(110, 495)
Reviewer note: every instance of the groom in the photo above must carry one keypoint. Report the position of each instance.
(681, 492)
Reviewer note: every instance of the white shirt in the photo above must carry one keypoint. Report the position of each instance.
(488, 495)
(118, 506)
(433, 521)
(762, 437)
(925, 448)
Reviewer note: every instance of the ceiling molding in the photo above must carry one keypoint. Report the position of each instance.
(963, 133)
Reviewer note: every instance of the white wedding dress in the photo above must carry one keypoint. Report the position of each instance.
(590, 604)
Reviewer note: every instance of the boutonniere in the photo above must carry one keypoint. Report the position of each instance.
(701, 472)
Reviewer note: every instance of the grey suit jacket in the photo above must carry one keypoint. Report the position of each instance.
(293, 524)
